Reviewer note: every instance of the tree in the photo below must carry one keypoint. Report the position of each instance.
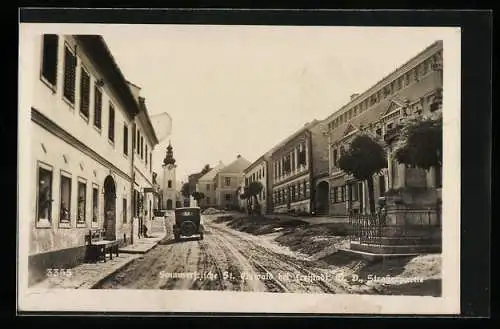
(254, 189)
(421, 143)
(185, 190)
(197, 196)
(205, 169)
(245, 195)
(363, 159)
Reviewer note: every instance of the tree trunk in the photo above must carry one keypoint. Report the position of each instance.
(371, 196)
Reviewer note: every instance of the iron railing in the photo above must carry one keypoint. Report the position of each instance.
(371, 228)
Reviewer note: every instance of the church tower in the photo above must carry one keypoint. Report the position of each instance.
(169, 183)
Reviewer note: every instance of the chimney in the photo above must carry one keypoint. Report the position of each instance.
(354, 96)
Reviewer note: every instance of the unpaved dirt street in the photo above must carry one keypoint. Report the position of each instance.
(225, 260)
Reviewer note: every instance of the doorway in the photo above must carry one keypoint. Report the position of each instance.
(110, 208)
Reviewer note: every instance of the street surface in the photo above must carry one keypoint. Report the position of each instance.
(225, 260)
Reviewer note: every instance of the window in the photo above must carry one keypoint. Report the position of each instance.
(125, 139)
(169, 183)
(208, 186)
(335, 157)
(138, 141)
(95, 204)
(439, 177)
(65, 203)
(228, 181)
(82, 201)
(69, 75)
(381, 184)
(208, 200)
(124, 212)
(111, 123)
(228, 197)
(97, 106)
(407, 79)
(84, 93)
(44, 214)
(354, 192)
(150, 161)
(133, 138)
(142, 147)
(49, 59)
(379, 132)
(146, 154)
(389, 126)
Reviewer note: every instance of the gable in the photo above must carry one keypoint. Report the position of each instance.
(349, 129)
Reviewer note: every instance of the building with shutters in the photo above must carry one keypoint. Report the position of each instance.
(227, 181)
(206, 185)
(297, 163)
(413, 89)
(83, 114)
(259, 171)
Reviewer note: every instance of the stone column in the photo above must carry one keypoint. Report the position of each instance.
(401, 175)
(307, 154)
(296, 161)
(431, 177)
(390, 179)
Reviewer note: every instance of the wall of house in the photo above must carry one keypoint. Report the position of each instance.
(208, 189)
(56, 139)
(223, 189)
(259, 172)
(319, 145)
(62, 158)
(49, 101)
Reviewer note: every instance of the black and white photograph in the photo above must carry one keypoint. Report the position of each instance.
(218, 168)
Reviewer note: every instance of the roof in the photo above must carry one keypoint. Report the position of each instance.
(237, 166)
(364, 119)
(99, 53)
(306, 127)
(385, 80)
(212, 173)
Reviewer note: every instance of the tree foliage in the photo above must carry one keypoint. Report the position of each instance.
(422, 143)
(198, 196)
(205, 169)
(185, 190)
(364, 158)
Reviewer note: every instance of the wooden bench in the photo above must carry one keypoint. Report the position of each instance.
(98, 246)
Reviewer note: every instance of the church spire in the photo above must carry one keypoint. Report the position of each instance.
(169, 157)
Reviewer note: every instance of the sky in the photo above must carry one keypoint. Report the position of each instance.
(242, 89)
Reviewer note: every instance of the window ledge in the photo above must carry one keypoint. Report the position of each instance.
(64, 224)
(81, 225)
(43, 223)
(51, 86)
(85, 118)
(68, 102)
(94, 224)
(97, 129)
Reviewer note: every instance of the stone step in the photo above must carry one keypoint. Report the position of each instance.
(371, 256)
(409, 240)
(395, 249)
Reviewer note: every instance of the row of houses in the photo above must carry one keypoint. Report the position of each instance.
(301, 173)
(92, 142)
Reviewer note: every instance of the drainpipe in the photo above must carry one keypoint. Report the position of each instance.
(312, 189)
(132, 200)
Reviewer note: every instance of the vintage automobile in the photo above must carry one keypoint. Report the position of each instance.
(188, 223)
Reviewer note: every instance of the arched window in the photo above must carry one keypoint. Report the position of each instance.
(169, 183)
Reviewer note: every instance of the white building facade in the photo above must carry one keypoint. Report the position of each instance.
(82, 114)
